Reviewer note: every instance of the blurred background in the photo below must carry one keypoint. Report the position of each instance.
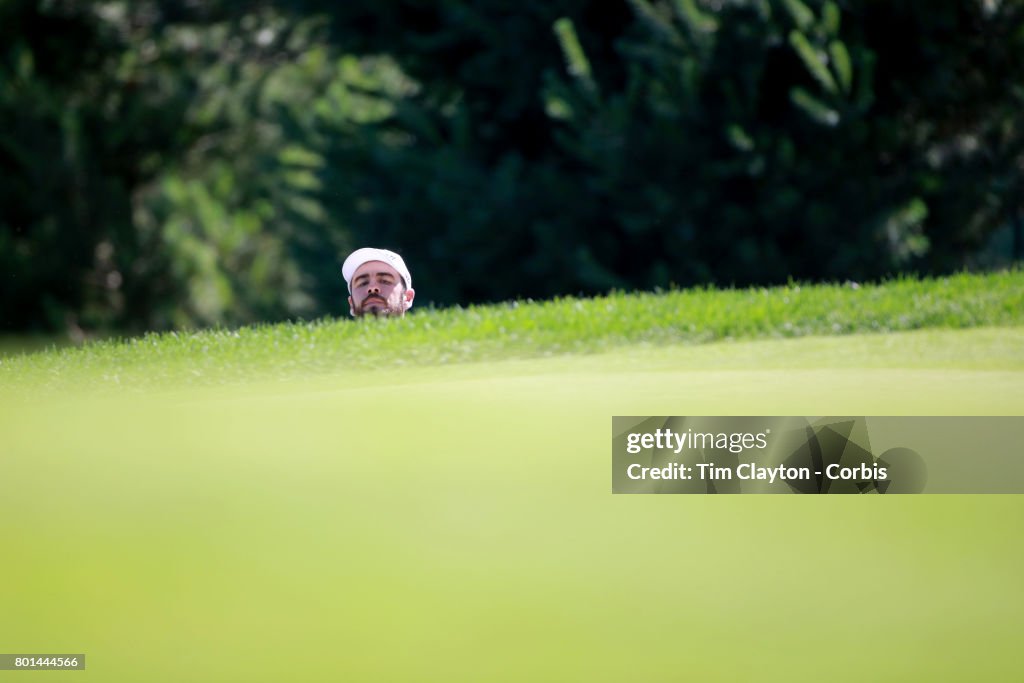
(186, 164)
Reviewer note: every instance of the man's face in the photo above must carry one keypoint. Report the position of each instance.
(377, 289)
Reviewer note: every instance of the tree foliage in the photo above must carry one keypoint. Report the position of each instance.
(170, 164)
(162, 168)
(694, 142)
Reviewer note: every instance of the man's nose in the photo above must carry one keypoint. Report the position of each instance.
(373, 289)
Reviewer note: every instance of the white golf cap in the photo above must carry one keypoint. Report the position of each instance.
(367, 254)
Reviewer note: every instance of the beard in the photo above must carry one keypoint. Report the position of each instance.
(379, 308)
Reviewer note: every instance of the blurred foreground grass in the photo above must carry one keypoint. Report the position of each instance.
(456, 524)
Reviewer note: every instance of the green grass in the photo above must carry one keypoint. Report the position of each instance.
(317, 505)
(524, 330)
(455, 524)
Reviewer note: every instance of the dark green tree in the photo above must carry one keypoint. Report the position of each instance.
(169, 164)
(687, 141)
(160, 165)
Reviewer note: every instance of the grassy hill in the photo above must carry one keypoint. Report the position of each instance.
(523, 330)
(429, 499)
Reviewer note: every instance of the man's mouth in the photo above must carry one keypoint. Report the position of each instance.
(374, 300)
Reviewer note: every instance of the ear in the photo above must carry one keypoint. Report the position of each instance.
(351, 308)
(410, 294)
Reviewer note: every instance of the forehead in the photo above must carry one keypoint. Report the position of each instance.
(375, 268)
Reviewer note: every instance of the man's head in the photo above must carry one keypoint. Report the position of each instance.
(378, 282)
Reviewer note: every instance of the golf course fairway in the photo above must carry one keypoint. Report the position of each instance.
(456, 523)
